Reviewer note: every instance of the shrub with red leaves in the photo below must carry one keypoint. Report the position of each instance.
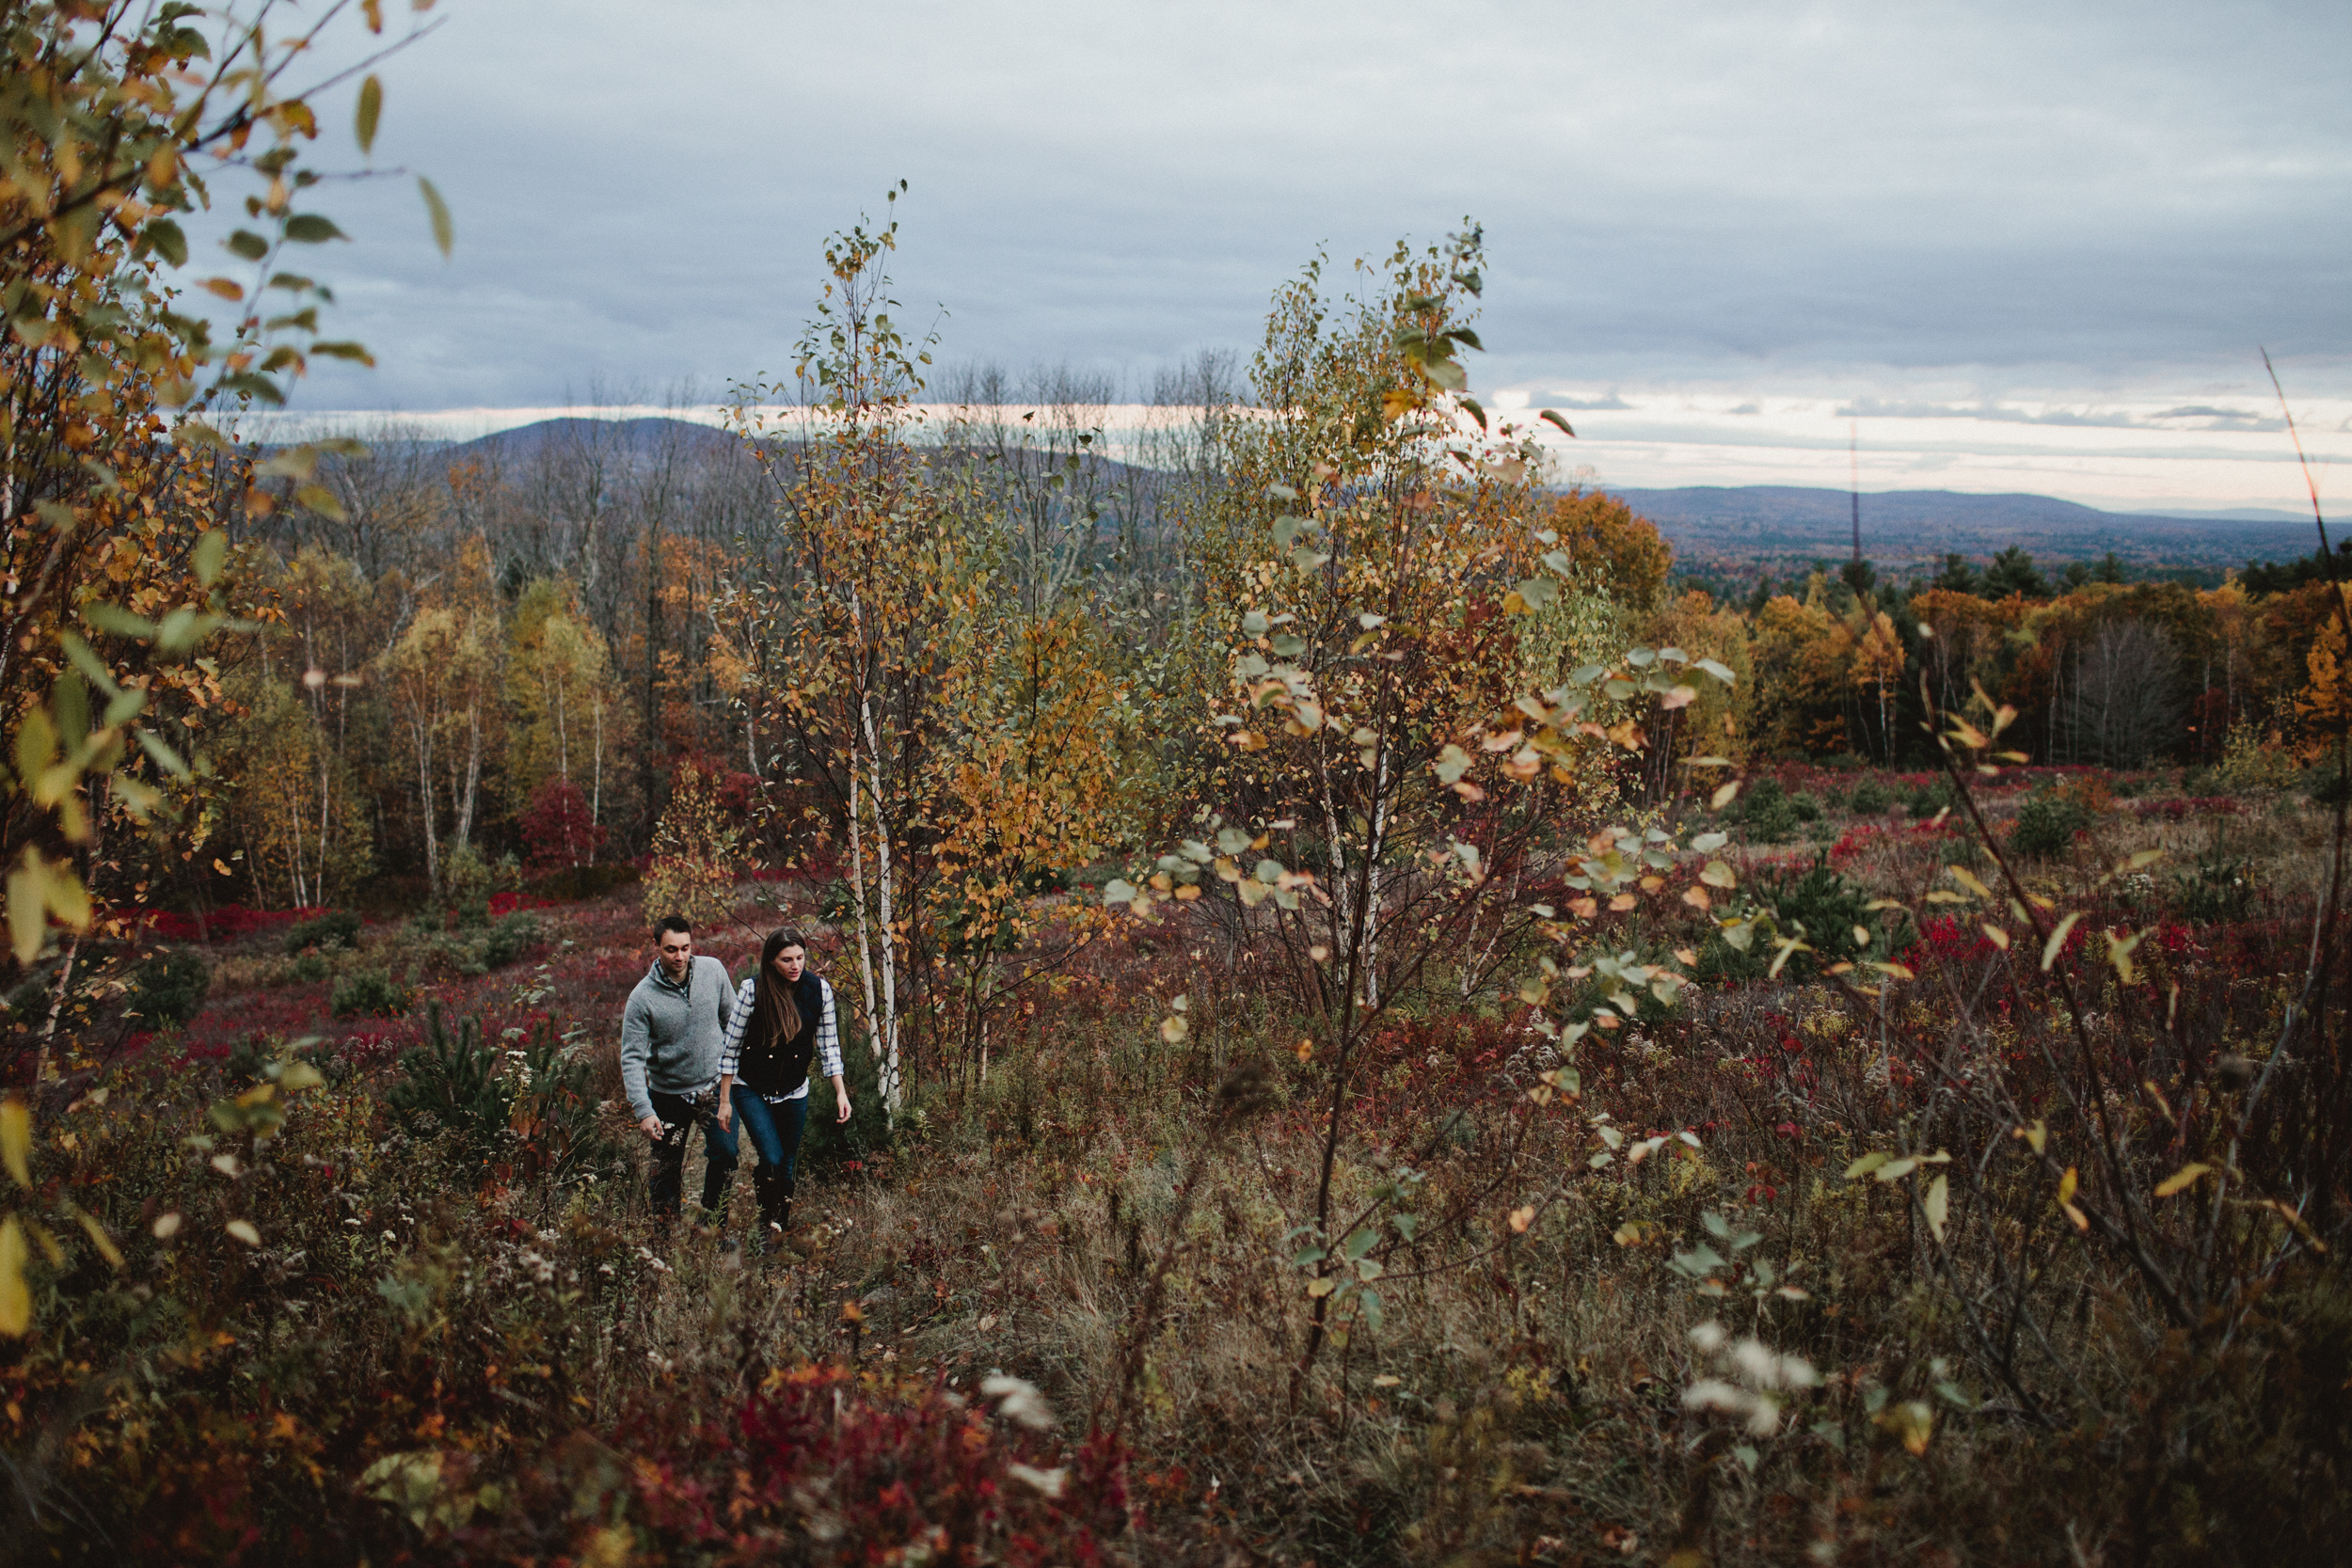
(224, 924)
(824, 1465)
(558, 828)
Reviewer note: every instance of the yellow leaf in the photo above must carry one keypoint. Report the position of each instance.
(1968, 879)
(2067, 1185)
(16, 1297)
(166, 1225)
(2035, 1137)
(1521, 1219)
(1724, 796)
(1997, 936)
(1322, 1287)
(2181, 1180)
(1899, 972)
(1913, 1421)
(99, 1239)
(244, 1231)
(2058, 940)
(28, 923)
(16, 1140)
(1936, 1204)
(2119, 955)
(2143, 858)
(1718, 875)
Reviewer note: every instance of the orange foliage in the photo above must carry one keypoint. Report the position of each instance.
(1602, 534)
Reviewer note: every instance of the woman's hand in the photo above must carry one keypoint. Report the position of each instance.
(840, 1099)
(726, 1110)
(726, 1100)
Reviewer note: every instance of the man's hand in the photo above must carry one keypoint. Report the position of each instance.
(652, 1126)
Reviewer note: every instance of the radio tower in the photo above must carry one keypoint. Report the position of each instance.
(1853, 456)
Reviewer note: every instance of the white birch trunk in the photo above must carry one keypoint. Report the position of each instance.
(890, 1073)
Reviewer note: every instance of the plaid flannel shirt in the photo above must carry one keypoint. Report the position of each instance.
(827, 1062)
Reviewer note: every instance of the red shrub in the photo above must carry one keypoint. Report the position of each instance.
(224, 924)
(558, 828)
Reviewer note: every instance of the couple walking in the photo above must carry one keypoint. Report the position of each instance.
(695, 1050)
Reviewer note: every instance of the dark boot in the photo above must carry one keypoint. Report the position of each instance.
(774, 1190)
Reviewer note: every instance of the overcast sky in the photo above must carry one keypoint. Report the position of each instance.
(2002, 218)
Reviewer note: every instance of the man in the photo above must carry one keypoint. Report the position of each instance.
(671, 1035)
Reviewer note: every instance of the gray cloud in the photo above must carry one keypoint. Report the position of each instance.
(2006, 194)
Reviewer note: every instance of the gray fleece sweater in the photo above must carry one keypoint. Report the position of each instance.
(672, 1032)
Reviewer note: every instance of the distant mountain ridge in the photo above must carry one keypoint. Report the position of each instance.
(1712, 527)
(1729, 525)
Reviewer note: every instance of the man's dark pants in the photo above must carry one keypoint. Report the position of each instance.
(679, 1115)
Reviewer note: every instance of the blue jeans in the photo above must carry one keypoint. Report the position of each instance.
(775, 1131)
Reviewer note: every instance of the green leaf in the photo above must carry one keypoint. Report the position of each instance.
(312, 228)
(1536, 592)
(1551, 416)
(1721, 672)
(319, 499)
(248, 245)
(1119, 890)
(92, 670)
(165, 757)
(212, 552)
(444, 234)
(1700, 1261)
(370, 110)
(165, 239)
(116, 619)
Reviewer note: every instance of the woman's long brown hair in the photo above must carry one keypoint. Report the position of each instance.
(775, 1016)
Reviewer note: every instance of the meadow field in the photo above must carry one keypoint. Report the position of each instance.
(1053, 1314)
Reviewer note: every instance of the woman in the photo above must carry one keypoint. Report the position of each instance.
(783, 1019)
